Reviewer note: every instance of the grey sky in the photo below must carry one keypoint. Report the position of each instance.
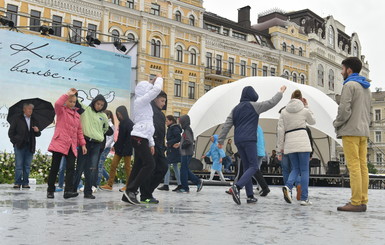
(362, 17)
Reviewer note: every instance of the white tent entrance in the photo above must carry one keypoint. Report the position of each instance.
(211, 110)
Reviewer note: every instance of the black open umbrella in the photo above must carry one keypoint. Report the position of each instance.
(43, 111)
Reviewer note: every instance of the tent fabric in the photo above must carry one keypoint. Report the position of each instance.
(211, 110)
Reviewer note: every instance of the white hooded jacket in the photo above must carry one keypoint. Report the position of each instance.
(145, 92)
(294, 116)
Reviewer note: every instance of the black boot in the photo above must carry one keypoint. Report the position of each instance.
(177, 188)
(69, 194)
(50, 194)
(164, 188)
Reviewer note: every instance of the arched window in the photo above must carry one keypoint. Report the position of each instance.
(355, 49)
(286, 74)
(178, 16)
(320, 75)
(192, 20)
(179, 53)
(294, 77)
(115, 35)
(302, 78)
(292, 49)
(331, 36)
(300, 51)
(193, 57)
(331, 79)
(131, 37)
(284, 47)
(155, 48)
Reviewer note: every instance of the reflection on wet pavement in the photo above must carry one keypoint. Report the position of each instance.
(208, 217)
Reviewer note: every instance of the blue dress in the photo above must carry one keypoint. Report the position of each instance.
(216, 154)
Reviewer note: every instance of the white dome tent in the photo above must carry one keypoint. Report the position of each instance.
(211, 110)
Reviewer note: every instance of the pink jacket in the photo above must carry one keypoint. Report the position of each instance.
(68, 132)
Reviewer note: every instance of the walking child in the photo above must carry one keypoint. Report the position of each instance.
(217, 156)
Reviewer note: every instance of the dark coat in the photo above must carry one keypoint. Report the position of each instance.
(123, 146)
(20, 135)
(187, 140)
(160, 127)
(173, 136)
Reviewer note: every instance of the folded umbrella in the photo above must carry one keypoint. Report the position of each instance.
(43, 111)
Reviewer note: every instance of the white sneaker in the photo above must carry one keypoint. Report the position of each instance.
(287, 194)
(305, 203)
(94, 189)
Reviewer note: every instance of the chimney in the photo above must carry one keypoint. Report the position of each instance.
(244, 16)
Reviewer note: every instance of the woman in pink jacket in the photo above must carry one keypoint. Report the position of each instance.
(67, 137)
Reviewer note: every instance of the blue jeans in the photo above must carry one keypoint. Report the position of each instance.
(102, 172)
(286, 169)
(300, 165)
(89, 165)
(186, 174)
(226, 161)
(248, 153)
(176, 171)
(62, 169)
(23, 158)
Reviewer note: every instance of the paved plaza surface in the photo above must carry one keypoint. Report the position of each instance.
(208, 217)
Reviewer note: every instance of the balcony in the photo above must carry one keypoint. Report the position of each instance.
(217, 74)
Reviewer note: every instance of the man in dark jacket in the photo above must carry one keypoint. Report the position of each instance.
(22, 133)
(161, 163)
(245, 117)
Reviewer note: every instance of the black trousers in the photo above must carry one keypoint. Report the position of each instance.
(144, 164)
(70, 170)
(161, 167)
(258, 176)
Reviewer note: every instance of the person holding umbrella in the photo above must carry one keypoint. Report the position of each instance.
(68, 135)
(25, 126)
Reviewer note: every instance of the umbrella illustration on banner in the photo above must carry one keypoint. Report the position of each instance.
(43, 111)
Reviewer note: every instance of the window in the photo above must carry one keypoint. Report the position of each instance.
(302, 79)
(212, 28)
(231, 65)
(207, 88)
(130, 4)
(92, 30)
(34, 22)
(115, 35)
(178, 16)
(225, 32)
(155, 48)
(131, 37)
(355, 49)
(219, 62)
(320, 75)
(155, 9)
(239, 36)
(331, 36)
(254, 69)
(179, 53)
(292, 49)
(56, 25)
(209, 60)
(116, 2)
(272, 71)
(12, 13)
(77, 31)
(379, 158)
(177, 115)
(193, 57)
(177, 88)
(377, 115)
(378, 136)
(191, 90)
(243, 68)
(286, 75)
(192, 20)
(284, 47)
(342, 158)
(331, 79)
(300, 52)
(264, 71)
(294, 77)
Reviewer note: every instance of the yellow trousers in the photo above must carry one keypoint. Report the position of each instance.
(114, 164)
(355, 150)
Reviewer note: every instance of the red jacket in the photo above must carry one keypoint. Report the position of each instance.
(68, 131)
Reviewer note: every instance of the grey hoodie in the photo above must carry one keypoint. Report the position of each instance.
(187, 141)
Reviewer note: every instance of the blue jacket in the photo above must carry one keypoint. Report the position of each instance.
(260, 142)
(245, 116)
(216, 154)
(173, 136)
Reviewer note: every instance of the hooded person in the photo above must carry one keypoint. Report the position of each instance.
(244, 117)
(142, 137)
(186, 151)
(95, 125)
(216, 155)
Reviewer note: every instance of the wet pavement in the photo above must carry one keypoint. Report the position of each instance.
(208, 217)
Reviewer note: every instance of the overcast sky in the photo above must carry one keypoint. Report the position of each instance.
(362, 17)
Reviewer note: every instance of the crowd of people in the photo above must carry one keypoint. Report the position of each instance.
(84, 134)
